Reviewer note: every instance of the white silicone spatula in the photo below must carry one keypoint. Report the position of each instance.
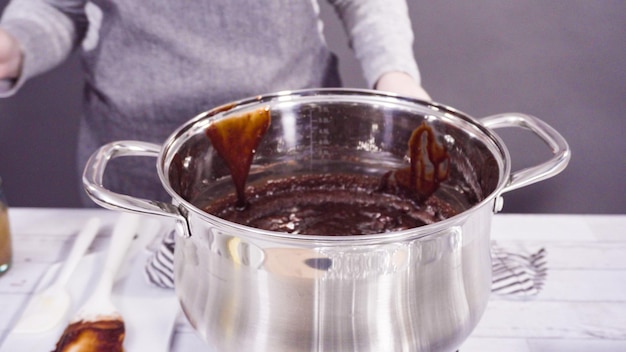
(48, 308)
(97, 326)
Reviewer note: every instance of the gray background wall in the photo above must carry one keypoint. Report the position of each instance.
(562, 61)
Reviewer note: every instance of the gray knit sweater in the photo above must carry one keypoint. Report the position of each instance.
(152, 65)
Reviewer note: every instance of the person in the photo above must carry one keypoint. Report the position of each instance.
(149, 67)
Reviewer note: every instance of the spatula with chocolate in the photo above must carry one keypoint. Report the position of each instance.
(98, 327)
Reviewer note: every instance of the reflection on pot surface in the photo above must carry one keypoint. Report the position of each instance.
(418, 294)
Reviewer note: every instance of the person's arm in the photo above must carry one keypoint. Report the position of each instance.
(381, 36)
(36, 36)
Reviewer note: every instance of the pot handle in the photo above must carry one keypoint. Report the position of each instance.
(560, 150)
(94, 170)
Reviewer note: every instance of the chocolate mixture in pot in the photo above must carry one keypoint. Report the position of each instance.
(329, 204)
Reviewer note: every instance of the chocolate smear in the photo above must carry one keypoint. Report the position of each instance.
(235, 139)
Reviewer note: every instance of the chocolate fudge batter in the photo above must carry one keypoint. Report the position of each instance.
(329, 204)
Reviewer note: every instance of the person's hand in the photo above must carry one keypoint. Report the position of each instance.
(401, 83)
(10, 56)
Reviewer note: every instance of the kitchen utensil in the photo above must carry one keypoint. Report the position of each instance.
(98, 322)
(49, 307)
(516, 273)
(421, 289)
(149, 312)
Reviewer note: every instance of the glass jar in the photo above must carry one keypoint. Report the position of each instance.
(5, 235)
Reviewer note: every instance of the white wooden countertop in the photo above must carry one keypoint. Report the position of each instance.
(582, 306)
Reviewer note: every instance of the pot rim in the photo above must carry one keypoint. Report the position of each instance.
(502, 157)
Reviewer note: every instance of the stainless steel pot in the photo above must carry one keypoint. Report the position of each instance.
(245, 289)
